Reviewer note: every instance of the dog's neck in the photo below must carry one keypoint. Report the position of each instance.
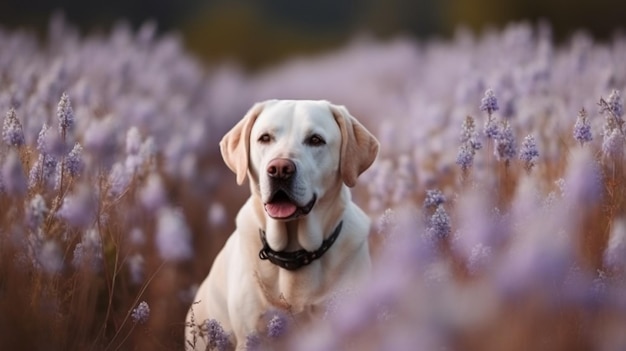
(306, 232)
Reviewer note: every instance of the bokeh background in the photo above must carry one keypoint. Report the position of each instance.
(527, 252)
(258, 33)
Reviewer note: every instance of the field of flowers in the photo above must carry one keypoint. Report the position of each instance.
(498, 198)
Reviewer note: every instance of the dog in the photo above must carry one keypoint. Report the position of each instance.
(299, 238)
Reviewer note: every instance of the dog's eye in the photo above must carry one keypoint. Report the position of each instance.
(265, 138)
(315, 140)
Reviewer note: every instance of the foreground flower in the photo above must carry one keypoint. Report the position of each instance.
(218, 338)
(440, 226)
(141, 314)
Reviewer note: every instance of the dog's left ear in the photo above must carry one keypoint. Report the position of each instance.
(235, 145)
(359, 147)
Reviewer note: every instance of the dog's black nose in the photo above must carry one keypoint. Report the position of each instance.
(281, 168)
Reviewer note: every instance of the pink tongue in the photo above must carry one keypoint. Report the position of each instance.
(280, 209)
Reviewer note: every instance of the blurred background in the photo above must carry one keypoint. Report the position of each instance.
(258, 33)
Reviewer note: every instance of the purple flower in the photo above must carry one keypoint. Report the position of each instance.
(79, 209)
(505, 144)
(491, 129)
(141, 314)
(12, 132)
(217, 214)
(35, 212)
(74, 161)
(133, 141)
(43, 171)
(50, 257)
(613, 144)
(277, 326)
(434, 198)
(119, 179)
(41, 139)
(100, 139)
(89, 251)
(582, 128)
(469, 135)
(12, 175)
(465, 157)
(489, 103)
(613, 105)
(253, 342)
(152, 194)
(440, 227)
(528, 152)
(65, 114)
(173, 237)
(218, 339)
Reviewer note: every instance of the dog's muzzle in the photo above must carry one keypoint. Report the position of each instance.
(282, 204)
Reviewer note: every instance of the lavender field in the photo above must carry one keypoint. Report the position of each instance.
(498, 197)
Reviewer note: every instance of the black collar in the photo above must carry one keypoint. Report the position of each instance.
(293, 260)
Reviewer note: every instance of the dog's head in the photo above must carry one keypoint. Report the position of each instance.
(296, 151)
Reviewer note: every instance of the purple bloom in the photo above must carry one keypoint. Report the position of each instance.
(133, 141)
(89, 250)
(141, 314)
(36, 211)
(119, 179)
(434, 198)
(613, 144)
(100, 139)
(491, 129)
(505, 144)
(528, 152)
(469, 135)
(50, 257)
(79, 209)
(217, 214)
(173, 237)
(12, 132)
(65, 114)
(153, 194)
(218, 339)
(613, 105)
(277, 326)
(74, 161)
(582, 128)
(465, 157)
(440, 226)
(253, 342)
(41, 139)
(12, 174)
(43, 171)
(489, 103)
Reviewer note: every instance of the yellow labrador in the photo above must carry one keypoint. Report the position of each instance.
(299, 237)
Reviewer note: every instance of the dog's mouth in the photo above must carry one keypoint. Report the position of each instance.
(282, 206)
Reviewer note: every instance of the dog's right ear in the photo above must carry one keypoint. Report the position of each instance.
(235, 145)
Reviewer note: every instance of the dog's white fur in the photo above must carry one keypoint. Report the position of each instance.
(240, 287)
